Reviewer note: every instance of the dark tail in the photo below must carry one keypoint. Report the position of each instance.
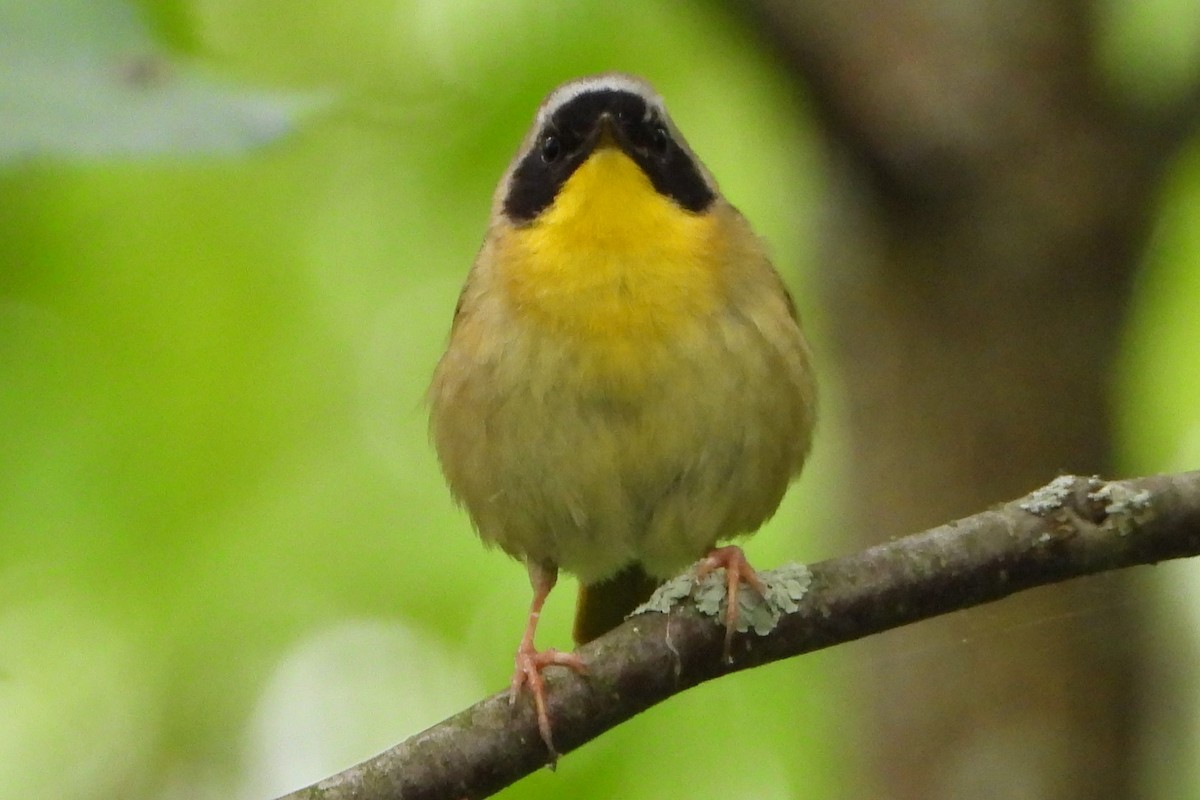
(602, 606)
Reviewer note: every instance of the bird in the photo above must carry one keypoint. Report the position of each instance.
(626, 383)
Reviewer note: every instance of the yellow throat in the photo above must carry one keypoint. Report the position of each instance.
(612, 260)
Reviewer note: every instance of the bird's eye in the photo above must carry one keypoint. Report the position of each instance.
(551, 148)
(659, 139)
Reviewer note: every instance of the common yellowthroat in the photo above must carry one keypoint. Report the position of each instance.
(626, 382)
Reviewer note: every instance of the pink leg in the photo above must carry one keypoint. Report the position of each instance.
(530, 663)
(737, 569)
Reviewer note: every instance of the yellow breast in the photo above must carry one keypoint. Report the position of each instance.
(613, 263)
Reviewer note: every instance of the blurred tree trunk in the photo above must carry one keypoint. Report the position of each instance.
(989, 203)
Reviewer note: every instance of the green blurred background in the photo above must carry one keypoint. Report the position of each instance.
(228, 563)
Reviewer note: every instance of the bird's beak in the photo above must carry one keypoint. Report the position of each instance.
(606, 131)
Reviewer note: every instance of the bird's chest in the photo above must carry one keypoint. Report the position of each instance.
(613, 281)
(615, 409)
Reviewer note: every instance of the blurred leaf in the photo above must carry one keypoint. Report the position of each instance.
(1159, 397)
(82, 78)
(1150, 50)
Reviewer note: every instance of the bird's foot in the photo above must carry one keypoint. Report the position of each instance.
(528, 673)
(737, 569)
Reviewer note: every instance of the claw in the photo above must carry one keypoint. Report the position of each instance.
(737, 569)
(528, 674)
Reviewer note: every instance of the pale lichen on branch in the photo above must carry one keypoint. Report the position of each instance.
(786, 586)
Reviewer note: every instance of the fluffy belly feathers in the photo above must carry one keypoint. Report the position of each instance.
(565, 454)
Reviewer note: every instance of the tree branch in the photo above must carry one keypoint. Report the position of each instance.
(1070, 528)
